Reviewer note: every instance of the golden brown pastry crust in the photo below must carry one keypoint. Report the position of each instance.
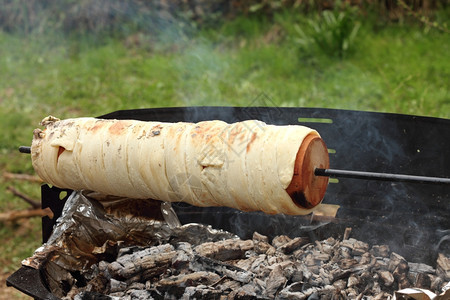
(246, 165)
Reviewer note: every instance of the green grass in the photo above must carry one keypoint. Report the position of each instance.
(395, 69)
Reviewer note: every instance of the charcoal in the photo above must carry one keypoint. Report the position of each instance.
(356, 247)
(117, 286)
(422, 281)
(291, 292)
(351, 293)
(200, 293)
(280, 240)
(436, 283)
(136, 286)
(316, 280)
(320, 257)
(381, 296)
(353, 281)
(309, 260)
(240, 276)
(259, 263)
(245, 264)
(146, 263)
(347, 263)
(250, 289)
(395, 260)
(176, 284)
(225, 250)
(264, 248)
(345, 252)
(340, 274)
(99, 283)
(228, 285)
(92, 296)
(129, 250)
(292, 245)
(327, 245)
(365, 259)
(222, 268)
(327, 292)
(311, 293)
(137, 294)
(286, 268)
(326, 277)
(421, 268)
(260, 238)
(298, 254)
(297, 273)
(183, 257)
(286, 295)
(72, 293)
(375, 288)
(380, 250)
(275, 281)
(360, 248)
(443, 267)
(340, 284)
(118, 295)
(347, 232)
(400, 274)
(386, 277)
(241, 294)
(273, 260)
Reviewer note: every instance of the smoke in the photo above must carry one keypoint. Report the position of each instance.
(443, 246)
(202, 72)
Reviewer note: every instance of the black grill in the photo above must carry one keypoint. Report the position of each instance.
(411, 218)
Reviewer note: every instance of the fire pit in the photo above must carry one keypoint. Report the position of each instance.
(411, 219)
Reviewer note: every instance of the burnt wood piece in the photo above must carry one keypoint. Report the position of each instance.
(144, 264)
(293, 245)
(275, 281)
(221, 268)
(176, 285)
(225, 250)
(443, 266)
(257, 237)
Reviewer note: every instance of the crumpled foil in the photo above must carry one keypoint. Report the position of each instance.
(422, 294)
(93, 227)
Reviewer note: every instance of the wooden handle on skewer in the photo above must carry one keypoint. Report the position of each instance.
(305, 189)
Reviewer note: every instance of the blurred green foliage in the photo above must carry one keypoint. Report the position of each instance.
(332, 31)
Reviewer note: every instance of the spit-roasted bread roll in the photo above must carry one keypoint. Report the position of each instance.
(247, 165)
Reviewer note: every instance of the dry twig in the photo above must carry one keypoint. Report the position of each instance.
(25, 177)
(27, 213)
(35, 204)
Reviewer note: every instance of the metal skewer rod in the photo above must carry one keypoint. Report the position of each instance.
(354, 174)
(380, 176)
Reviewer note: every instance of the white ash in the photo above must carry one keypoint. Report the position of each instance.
(285, 268)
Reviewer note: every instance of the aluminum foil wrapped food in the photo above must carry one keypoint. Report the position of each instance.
(246, 165)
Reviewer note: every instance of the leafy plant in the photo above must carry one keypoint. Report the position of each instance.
(333, 32)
